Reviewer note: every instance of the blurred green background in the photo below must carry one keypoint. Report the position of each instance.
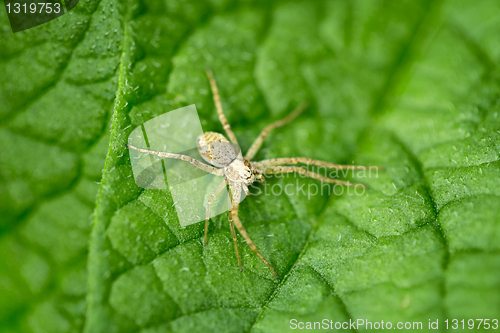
(409, 85)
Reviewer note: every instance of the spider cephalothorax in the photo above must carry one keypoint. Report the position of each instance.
(239, 171)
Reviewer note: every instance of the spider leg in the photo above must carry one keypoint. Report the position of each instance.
(310, 161)
(307, 173)
(231, 226)
(260, 178)
(234, 212)
(209, 204)
(235, 240)
(245, 188)
(254, 148)
(218, 106)
(196, 163)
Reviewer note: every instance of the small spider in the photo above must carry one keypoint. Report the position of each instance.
(239, 172)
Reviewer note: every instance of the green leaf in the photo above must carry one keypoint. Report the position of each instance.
(56, 98)
(408, 85)
(413, 93)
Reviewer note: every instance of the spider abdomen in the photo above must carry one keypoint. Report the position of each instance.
(216, 149)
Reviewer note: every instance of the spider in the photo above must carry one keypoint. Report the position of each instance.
(239, 172)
